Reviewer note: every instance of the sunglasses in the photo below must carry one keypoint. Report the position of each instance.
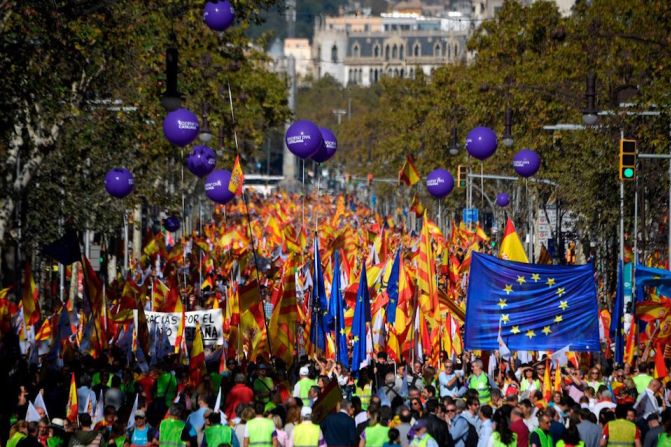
(451, 410)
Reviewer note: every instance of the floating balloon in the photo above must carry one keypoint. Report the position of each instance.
(119, 182)
(180, 127)
(328, 147)
(303, 138)
(216, 186)
(201, 161)
(526, 162)
(439, 183)
(502, 199)
(481, 143)
(218, 15)
(172, 223)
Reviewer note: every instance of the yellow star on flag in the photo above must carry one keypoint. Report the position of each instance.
(505, 318)
(563, 304)
(355, 339)
(502, 303)
(343, 331)
(521, 280)
(547, 330)
(561, 291)
(515, 330)
(531, 334)
(551, 282)
(508, 288)
(536, 277)
(558, 319)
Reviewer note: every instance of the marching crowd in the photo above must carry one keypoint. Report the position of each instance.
(270, 404)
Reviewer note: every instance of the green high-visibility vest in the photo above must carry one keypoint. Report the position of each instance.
(423, 442)
(306, 435)
(304, 386)
(16, 437)
(377, 435)
(481, 384)
(621, 433)
(216, 435)
(498, 443)
(546, 439)
(166, 386)
(663, 440)
(365, 395)
(260, 432)
(170, 433)
(54, 441)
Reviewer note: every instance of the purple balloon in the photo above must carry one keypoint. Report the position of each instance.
(481, 143)
(502, 199)
(201, 161)
(526, 162)
(180, 127)
(328, 147)
(172, 223)
(218, 15)
(216, 186)
(303, 138)
(119, 182)
(439, 183)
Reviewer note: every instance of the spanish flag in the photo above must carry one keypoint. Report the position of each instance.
(30, 298)
(197, 358)
(408, 173)
(417, 207)
(630, 347)
(72, 409)
(237, 178)
(511, 246)
(547, 385)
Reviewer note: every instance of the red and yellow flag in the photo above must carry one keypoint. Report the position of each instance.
(547, 385)
(417, 207)
(511, 246)
(45, 332)
(661, 370)
(197, 359)
(72, 409)
(630, 346)
(426, 276)
(408, 173)
(30, 298)
(237, 178)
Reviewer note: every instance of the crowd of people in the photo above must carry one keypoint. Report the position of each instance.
(270, 404)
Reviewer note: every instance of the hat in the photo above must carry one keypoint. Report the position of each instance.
(304, 371)
(420, 424)
(306, 411)
(58, 423)
(139, 414)
(262, 366)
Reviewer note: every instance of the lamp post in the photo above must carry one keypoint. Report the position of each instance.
(171, 99)
(590, 113)
(507, 139)
(205, 134)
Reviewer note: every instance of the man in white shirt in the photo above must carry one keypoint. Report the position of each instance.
(646, 403)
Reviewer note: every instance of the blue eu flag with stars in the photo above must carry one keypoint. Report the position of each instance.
(535, 307)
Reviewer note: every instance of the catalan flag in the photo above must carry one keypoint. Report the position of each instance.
(417, 207)
(408, 174)
(511, 246)
(237, 178)
(426, 275)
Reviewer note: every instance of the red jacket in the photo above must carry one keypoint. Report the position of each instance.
(240, 394)
(520, 429)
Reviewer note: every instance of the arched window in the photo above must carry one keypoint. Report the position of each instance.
(417, 50)
(449, 52)
(436, 49)
(334, 54)
(386, 52)
(356, 51)
(376, 50)
(394, 52)
(401, 73)
(396, 72)
(456, 51)
(401, 50)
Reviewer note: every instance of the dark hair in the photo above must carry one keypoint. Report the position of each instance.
(356, 401)
(259, 408)
(472, 400)
(405, 415)
(571, 435)
(431, 405)
(214, 418)
(393, 434)
(84, 419)
(502, 427)
(486, 411)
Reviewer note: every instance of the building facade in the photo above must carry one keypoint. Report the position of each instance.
(361, 50)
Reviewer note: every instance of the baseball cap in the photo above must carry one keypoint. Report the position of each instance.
(139, 414)
(58, 423)
(304, 371)
(306, 411)
(419, 425)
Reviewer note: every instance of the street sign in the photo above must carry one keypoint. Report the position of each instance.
(470, 215)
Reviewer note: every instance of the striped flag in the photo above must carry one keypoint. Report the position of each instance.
(237, 178)
(71, 410)
(511, 246)
(30, 298)
(426, 276)
(408, 174)
(197, 358)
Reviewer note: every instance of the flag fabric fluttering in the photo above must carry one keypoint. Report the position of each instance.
(197, 357)
(511, 246)
(30, 298)
(617, 319)
(237, 178)
(540, 307)
(327, 402)
(408, 174)
(71, 411)
(361, 318)
(392, 289)
(321, 320)
(337, 311)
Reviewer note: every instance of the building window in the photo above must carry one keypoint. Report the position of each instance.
(376, 51)
(417, 50)
(386, 52)
(402, 74)
(436, 49)
(456, 51)
(394, 52)
(366, 28)
(334, 54)
(400, 52)
(449, 51)
(355, 50)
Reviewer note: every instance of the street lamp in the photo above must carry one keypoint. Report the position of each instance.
(205, 134)
(507, 130)
(454, 146)
(171, 99)
(590, 113)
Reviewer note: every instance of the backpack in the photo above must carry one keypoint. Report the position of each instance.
(471, 437)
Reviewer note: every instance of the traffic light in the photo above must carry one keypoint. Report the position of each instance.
(461, 176)
(627, 159)
(370, 180)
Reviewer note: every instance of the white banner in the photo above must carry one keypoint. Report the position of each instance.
(211, 325)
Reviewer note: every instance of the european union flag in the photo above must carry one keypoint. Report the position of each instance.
(652, 277)
(539, 307)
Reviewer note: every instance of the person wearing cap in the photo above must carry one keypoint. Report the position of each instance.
(307, 433)
(302, 387)
(263, 385)
(56, 436)
(421, 437)
(141, 433)
(260, 431)
(216, 433)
